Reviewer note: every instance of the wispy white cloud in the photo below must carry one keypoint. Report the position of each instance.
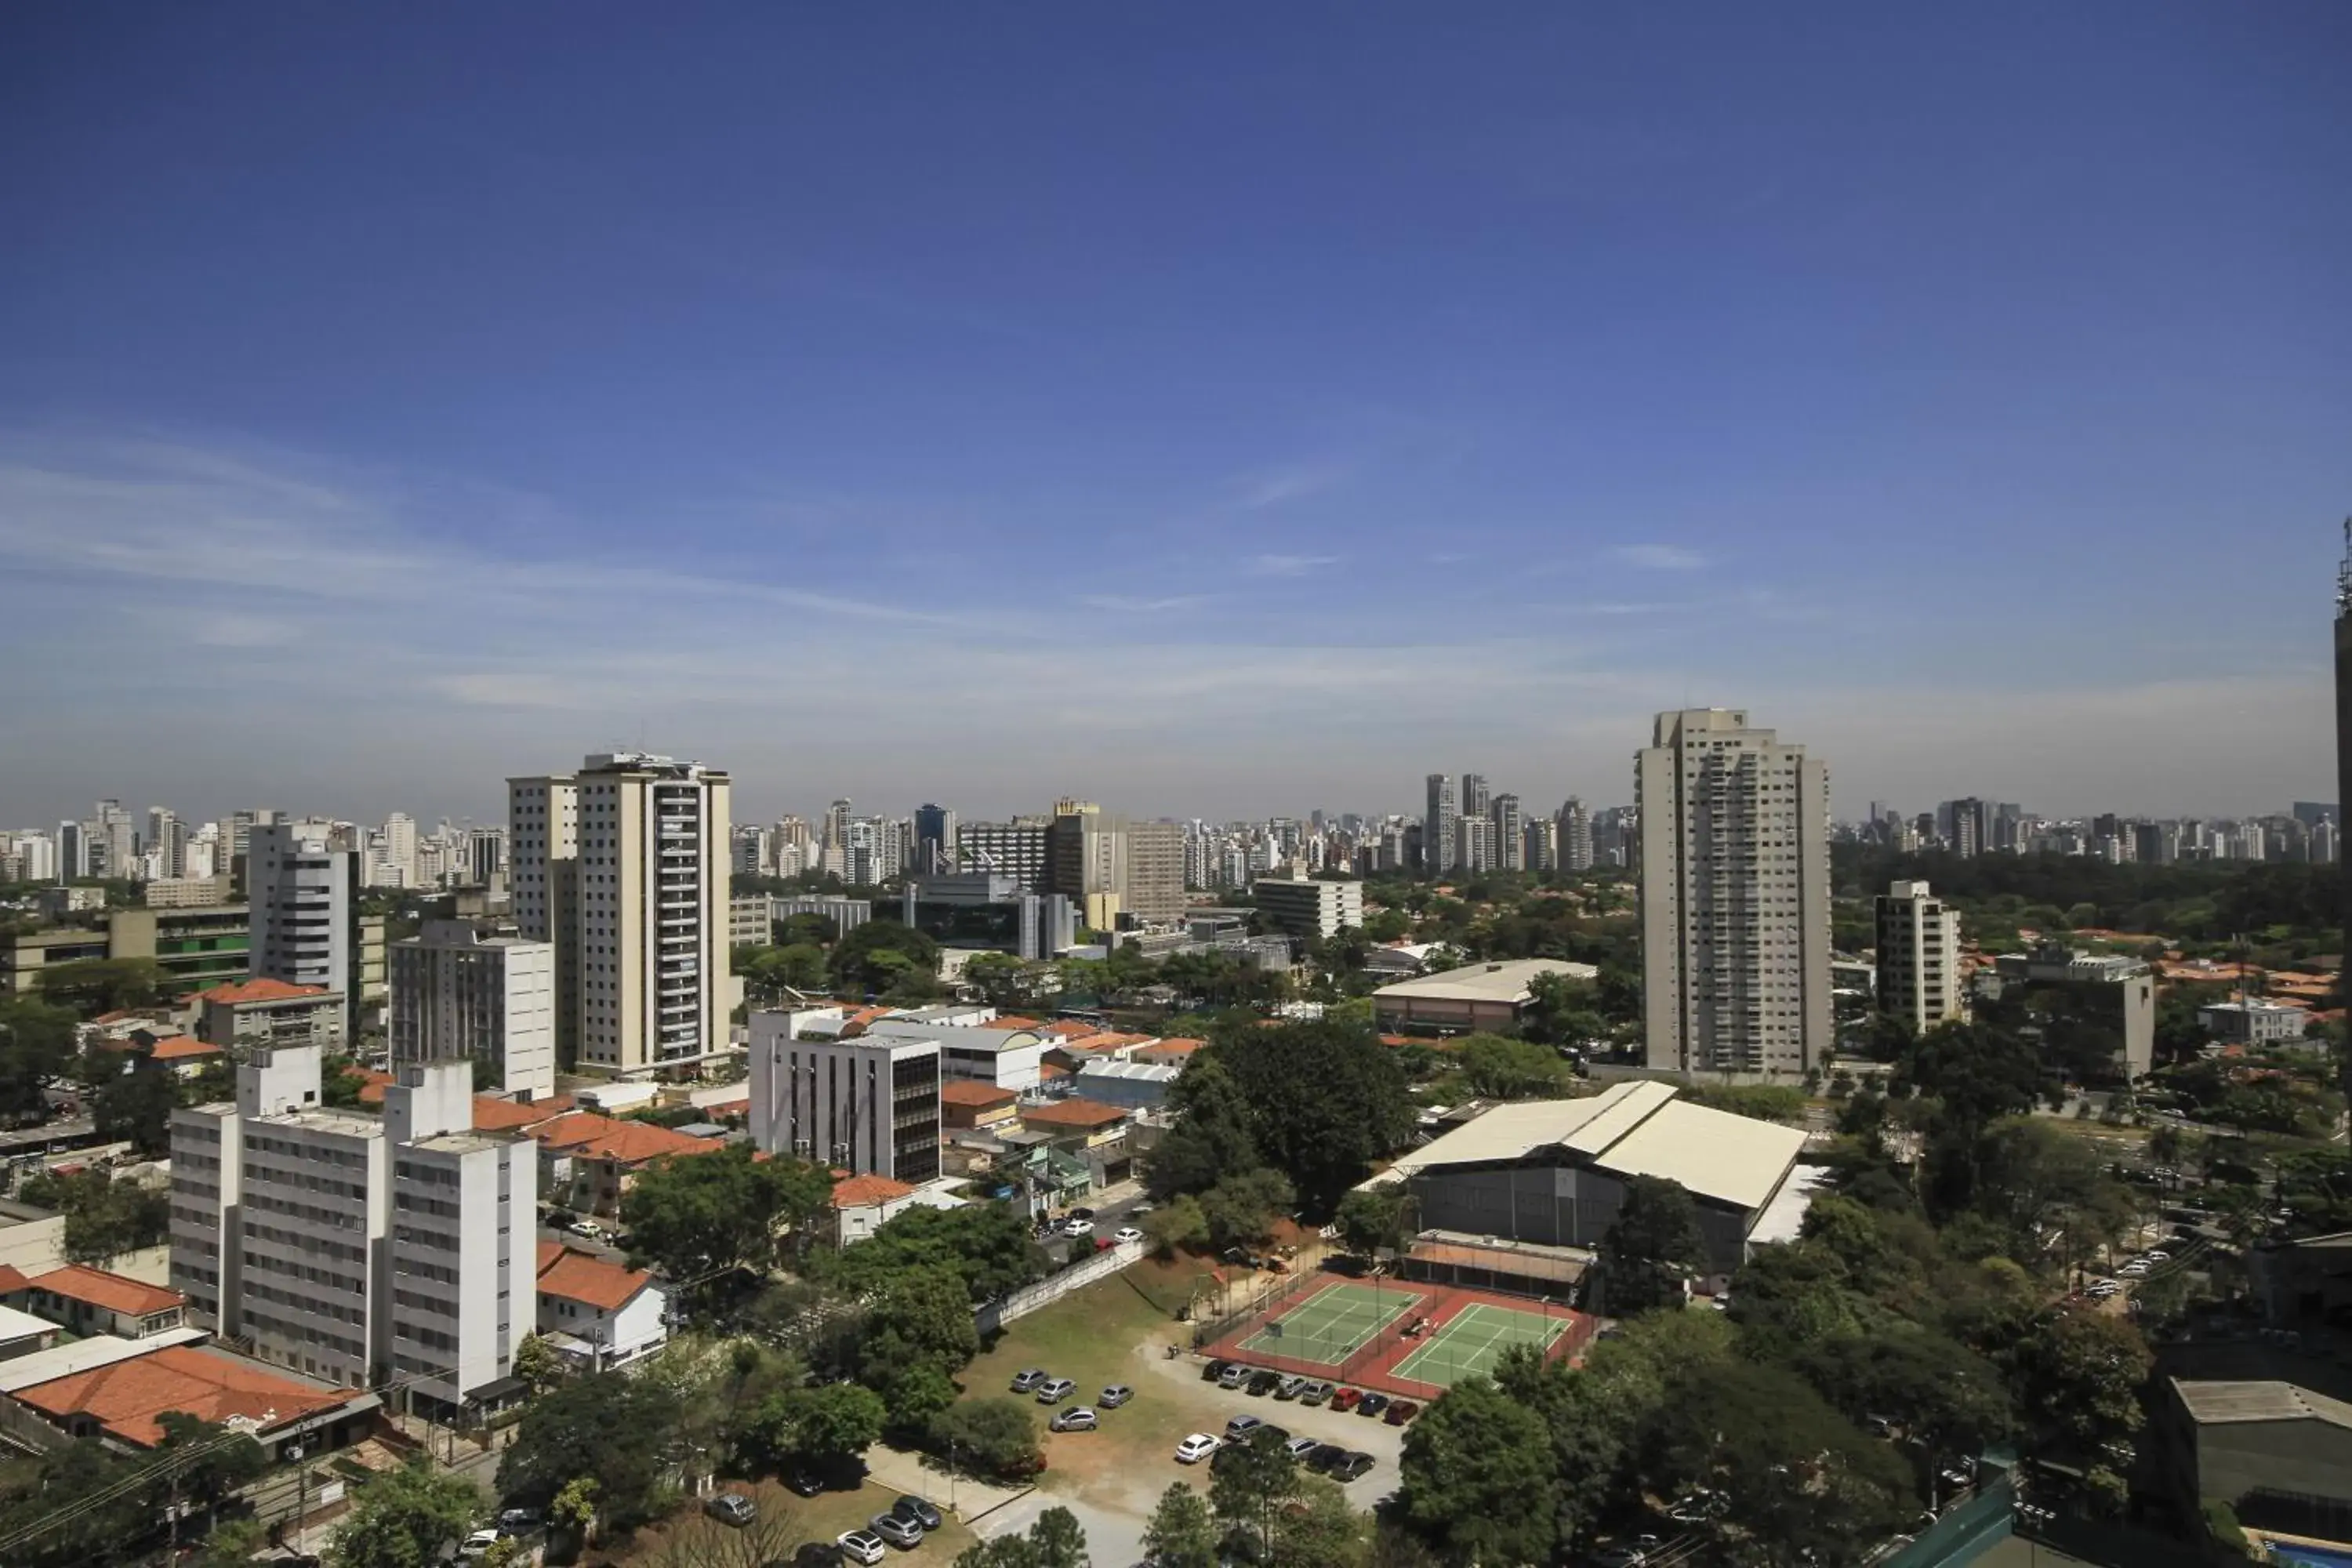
(1279, 486)
(1660, 557)
(1138, 605)
(1289, 565)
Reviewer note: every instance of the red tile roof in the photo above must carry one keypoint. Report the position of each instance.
(12, 1280)
(112, 1291)
(581, 1277)
(492, 1114)
(1075, 1112)
(1178, 1046)
(181, 1048)
(861, 1191)
(258, 991)
(128, 1396)
(965, 1091)
(595, 1137)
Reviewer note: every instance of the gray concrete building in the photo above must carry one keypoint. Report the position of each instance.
(1313, 910)
(1735, 863)
(1918, 969)
(870, 1104)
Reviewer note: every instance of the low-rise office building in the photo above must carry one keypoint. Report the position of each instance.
(2110, 995)
(270, 1014)
(459, 994)
(868, 1104)
(1312, 910)
(991, 912)
(2254, 1023)
(198, 946)
(2229, 1442)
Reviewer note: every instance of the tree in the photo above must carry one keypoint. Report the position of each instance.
(233, 1544)
(618, 1430)
(1244, 1208)
(113, 1218)
(1323, 1101)
(1060, 1542)
(1941, 1393)
(700, 1213)
(1504, 1068)
(1210, 1137)
(987, 1246)
(1316, 1528)
(1249, 1481)
(1480, 1478)
(996, 1435)
(877, 954)
(1005, 980)
(136, 1108)
(93, 986)
(574, 1508)
(1653, 1246)
(1177, 1223)
(1180, 1534)
(826, 1427)
(2076, 1377)
(1372, 1218)
(920, 1317)
(37, 1043)
(537, 1364)
(405, 1519)
(203, 1461)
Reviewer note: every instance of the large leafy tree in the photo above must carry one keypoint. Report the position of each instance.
(406, 1518)
(1323, 1101)
(1211, 1139)
(2077, 1377)
(1480, 1479)
(1372, 1218)
(94, 985)
(826, 1425)
(619, 1431)
(1503, 1068)
(880, 955)
(995, 1436)
(1250, 1483)
(1944, 1393)
(136, 1108)
(987, 1246)
(1654, 1244)
(37, 1043)
(1244, 1208)
(698, 1214)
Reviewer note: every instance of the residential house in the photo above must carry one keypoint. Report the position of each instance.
(85, 1301)
(122, 1402)
(967, 1105)
(594, 1312)
(270, 1012)
(589, 1161)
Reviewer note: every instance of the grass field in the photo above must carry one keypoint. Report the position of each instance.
(1472, 1341)
(1332, 1324)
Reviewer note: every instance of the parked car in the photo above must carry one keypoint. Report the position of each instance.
(2158, 1254)
(589, 1228)
(803, 1482)
(1345, 1398)
(1264, 1382)
(819, 1555)
(1054, 1390)
(1234, 1375)
(1077, 1227)
(1323, 1455)
(1371, 1405)
(1241, 1427)
(1314, 1393)
(1402, 1411)
(1026, 1380)
(900, 1531)
(1117, 1394)
(861, 1546)
(1351, 1466)
(1196, 1447)
(918, 1510)
(1213, 1370)
(1081, 1213)
(477, 1545)
(1300, 1447)
(1290, 1388)
(521, 1520)
(731, 1508)
(1126, 1234)
(1076, 1418)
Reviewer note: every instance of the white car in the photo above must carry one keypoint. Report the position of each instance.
(2158, 1254)
(1196, 1447)
(2133, 1270)
(1077, 1227)
(1126, 1234)
(477, 1546)
(861, 1546)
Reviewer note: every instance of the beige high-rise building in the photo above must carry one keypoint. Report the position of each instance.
(637, 909)
(1919, 957)
(1108, 866)
(1735, 861)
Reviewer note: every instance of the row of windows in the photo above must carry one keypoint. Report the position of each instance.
(305, 1242)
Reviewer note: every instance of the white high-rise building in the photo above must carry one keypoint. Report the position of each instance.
(302, 890)
(1438, 831)
(1575, 837)
(1510, 836)
(458, 994)
(400, 847)
(341, 1244)
(1919, 957)
(868, 1104)
(624, 866)
(1735, 865)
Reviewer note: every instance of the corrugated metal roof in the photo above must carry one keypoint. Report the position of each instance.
(2210, 1403)
(1506, 981)
(1630, 1104)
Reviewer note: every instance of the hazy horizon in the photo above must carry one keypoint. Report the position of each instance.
(1217, 413)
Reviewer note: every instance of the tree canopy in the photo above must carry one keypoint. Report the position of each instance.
(700, 1213)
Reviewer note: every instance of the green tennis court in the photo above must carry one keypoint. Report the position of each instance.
(1474, 1340)
(1332, 1324)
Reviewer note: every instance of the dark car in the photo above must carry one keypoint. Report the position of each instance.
(1213, 1370)
(918, 1510)
(1402, 1411)
(1080, 1214)
(1264, 1382)
(819, 1555)
(1349, 1467)
(1323, 1455)
(1371, 1405)
(805, 1482)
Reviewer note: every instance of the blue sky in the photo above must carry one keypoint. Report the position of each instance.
(1209, 409)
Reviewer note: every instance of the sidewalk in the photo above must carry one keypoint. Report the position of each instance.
(926, 1477)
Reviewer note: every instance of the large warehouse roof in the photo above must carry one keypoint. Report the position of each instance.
(1486, 981)
(1637, 1129)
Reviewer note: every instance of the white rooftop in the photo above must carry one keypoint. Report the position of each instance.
(1637, 1129)
(15, 1325)
(85, 1355)
(1506, 981)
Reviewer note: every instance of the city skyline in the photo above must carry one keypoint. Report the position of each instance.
(1650, 364)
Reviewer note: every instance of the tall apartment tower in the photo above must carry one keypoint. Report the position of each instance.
(1919, 957)
(303, 893)
(1014, 849)
(935, 839)
(342, 1245)
(459, 995)
(1510, 834)
(623, 867)
(1735, 863)
(1439, 831)
(1475, 852)
(1575, 837)
(2344, 733)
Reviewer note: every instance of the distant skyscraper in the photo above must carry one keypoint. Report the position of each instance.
(1510, 834)
(1438, 832)
(1476, 852)
(1970, 830)
(1475, 800)
(1575, 837)
(1735, 897)
(303, 892)
(935, 839)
